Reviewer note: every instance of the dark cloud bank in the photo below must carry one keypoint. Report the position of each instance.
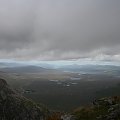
(59, 29)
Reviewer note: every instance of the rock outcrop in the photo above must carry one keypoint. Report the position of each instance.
(16, 107)
(111, 107)
(102, 109)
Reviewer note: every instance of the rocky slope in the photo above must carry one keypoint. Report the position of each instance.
(102, 109)
(16, 107)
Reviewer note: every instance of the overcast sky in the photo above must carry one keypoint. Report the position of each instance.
(60, 29)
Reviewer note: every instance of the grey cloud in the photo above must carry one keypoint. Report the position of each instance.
(59, 29)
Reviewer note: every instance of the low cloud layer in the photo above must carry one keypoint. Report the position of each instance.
(59, 29)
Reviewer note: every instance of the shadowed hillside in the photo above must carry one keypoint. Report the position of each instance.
(102, 109)
(15, 107)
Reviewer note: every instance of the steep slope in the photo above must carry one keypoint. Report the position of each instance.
(15, 107)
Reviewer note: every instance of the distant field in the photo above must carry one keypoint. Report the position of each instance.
(64, 90)
(67, 95)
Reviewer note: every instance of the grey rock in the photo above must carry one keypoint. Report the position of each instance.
(13, 106)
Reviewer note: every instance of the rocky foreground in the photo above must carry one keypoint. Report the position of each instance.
(102, 109)
(16, 107)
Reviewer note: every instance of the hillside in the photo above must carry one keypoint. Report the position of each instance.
(15, 107)
(25, 69)
(102, 109)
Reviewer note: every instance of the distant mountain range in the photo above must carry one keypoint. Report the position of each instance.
(46, 68)
(91, 68)
(29, 69)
